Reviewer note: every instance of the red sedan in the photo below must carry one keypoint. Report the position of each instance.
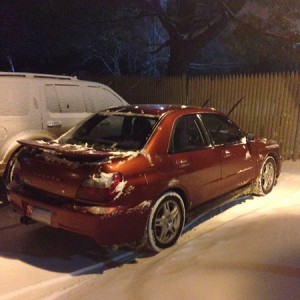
(128, 175)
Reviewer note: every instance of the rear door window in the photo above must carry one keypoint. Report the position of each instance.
(65, 98)
(188, 135)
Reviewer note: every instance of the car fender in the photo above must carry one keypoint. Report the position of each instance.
(262, 148)
(11, 144)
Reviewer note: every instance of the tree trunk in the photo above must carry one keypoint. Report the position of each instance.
(190, 29)
(183, 50)
(180, 57)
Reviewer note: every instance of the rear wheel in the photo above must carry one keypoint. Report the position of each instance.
(267, 177)
(165, 222)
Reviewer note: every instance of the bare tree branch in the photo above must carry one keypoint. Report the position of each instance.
(164, 45)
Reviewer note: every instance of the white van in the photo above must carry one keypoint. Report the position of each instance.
(40, 106)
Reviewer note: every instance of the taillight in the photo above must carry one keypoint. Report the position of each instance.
(117, 179)
(101, 187)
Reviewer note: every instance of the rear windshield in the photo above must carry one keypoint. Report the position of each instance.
(112, 132)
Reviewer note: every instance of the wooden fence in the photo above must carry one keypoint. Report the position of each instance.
(269, 103)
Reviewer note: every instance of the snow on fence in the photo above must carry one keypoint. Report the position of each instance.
(268, 103)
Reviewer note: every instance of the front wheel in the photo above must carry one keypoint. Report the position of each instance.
(166, 222)
(267, 177)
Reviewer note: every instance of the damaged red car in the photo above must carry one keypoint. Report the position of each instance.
(129, 175)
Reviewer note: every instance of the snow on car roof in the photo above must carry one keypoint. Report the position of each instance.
(155, 109)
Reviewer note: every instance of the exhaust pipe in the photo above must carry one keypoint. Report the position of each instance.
(26, 220)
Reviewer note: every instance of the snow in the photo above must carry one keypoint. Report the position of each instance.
(119, 189)
(249, 251)
(49, 157)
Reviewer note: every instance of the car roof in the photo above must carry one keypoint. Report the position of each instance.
(158, 109)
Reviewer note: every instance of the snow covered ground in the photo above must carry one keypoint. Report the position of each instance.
(250, 251)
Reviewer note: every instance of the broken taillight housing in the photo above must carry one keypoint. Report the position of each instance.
(101, 187)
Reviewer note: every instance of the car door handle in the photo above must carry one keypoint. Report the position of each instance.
(226, 154)
(182, 163)
(53, 124)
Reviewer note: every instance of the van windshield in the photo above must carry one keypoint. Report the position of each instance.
(112, 132)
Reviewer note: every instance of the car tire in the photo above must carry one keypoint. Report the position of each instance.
(267, 177)
(165, 222)
(7, 178)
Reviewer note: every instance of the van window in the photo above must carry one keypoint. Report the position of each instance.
(101, 98)
(52, 99)
(65, 98)
(14, 99)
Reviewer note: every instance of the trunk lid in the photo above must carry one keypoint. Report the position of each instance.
(58, 169)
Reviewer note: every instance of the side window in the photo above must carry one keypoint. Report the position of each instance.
(187, 135)
(221, 129)
(14, 99)
(65, 98)
(101, 98)
(51, 99)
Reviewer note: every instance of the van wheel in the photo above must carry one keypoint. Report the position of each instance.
(166, 221)
(7, 178)
(267, 177)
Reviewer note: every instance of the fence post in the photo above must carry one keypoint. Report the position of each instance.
(185, 79)
(297, 138)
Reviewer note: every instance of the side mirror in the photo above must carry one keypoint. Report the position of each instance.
(250, 137)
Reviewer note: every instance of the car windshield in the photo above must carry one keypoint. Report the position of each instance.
(112, 132)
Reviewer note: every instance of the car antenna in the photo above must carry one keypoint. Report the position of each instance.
(206, 101)
(234, 106)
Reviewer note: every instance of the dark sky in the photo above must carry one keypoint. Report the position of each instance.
(67, 36)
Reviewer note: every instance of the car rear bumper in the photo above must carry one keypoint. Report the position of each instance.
(107, 226)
